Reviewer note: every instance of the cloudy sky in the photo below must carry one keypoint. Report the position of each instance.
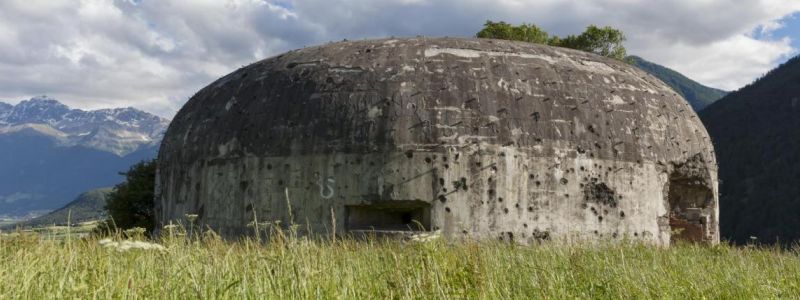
(155, 54)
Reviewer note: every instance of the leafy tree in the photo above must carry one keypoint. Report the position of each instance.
(504, 31)
(130, 204)
(605, 41)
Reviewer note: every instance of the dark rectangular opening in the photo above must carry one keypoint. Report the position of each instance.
(389, 216)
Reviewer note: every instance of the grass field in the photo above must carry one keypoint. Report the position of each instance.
(39, 268)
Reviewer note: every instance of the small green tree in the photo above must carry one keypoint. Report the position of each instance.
(504, 31)
(605, 41)
(130, 204)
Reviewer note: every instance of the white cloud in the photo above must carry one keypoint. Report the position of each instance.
(155, 54)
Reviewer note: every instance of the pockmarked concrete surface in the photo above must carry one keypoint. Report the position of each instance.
(472, 138)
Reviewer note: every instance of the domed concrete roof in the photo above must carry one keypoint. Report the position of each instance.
(374, 95)
(400, 97)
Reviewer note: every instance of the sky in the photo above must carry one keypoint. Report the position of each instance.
(155, 54)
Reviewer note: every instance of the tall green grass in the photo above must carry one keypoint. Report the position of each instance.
(33, 267)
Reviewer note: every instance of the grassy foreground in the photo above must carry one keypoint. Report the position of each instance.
(38, 268)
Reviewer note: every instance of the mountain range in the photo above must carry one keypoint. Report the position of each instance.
(699, 96)
(756, 134)
(88, 206)
(50, 153)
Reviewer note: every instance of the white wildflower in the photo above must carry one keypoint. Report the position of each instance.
(426, 237)
(128, 245)
(191, 217)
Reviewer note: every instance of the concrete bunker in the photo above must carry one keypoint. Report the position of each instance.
(472, 138)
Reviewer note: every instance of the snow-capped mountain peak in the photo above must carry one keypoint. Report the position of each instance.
(116, 130)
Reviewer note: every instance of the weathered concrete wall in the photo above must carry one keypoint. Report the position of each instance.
(490, 139)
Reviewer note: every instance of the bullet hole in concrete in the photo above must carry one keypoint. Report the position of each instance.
(600, 193)
(600, 219)
(489, 179)
(581, 185)
(564, 181)
(502, 154)
(582, 168)
(447, 166)
(505, 210)
(269, 166)
(594, 211)
(531, 176)
(428, 160)
(536, 116)
(409, 154)
(478, 164)
(542, 235)
(442, 198)
(566, 195)
(605, 211)
(530, 208)
(464, 231)
(447, 209)
(622, 214)
(525, 225)
(457, 156)
(499, 199)
(538, 183)
(461, 184)
(635, 234)
(490, 192)
(444, 158)
(596, 233)
(441, 181)
(614, 235)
